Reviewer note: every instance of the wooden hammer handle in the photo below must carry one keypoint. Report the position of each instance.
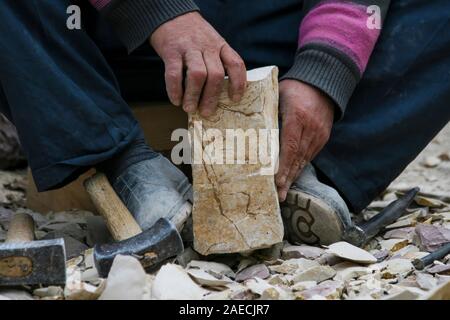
(21, 228)
(119, 220)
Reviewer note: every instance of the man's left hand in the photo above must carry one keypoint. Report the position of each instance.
(307, 118)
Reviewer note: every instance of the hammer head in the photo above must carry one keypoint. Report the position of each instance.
(355, 235)
(360, 235)
(33, 263)
(160, 242)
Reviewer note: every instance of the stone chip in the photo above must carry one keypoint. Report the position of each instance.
(350, 252)
(318, 274)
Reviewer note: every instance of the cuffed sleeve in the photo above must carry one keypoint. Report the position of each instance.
(336, 40)
(135, 20)
(326, 72)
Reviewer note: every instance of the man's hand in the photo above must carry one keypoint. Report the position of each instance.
(190, 43)
(307, 117)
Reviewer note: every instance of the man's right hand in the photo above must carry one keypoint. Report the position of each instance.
(189, 42)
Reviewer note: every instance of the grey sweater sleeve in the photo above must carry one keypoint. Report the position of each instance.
(336, 40)
(135, 20)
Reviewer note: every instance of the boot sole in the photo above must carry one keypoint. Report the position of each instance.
(309, 220)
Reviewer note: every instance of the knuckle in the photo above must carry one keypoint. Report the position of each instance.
(292, 145)
(237, 63)
(300, 116)
(216, 77)
(279, 181)
(297, 161)
(198, 74)
(193, 96)
(172, 75)
(282, 172)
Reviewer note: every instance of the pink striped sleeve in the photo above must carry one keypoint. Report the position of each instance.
(342, 25)
(99, 4)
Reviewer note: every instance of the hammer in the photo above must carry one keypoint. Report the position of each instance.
(27, 262)
(360, 235)
(150, 247)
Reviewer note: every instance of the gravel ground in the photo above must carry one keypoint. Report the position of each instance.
(431, 169)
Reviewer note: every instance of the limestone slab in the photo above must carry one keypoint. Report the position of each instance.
(236, 205)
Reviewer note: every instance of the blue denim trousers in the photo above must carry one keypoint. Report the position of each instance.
(65, 90)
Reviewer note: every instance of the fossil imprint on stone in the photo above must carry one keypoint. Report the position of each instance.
(236, 206)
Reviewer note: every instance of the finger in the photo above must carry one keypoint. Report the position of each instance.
(195, 79)
(235, 67)
(213, 86)
(290, 145)
(174, 79)
(299, 163)
(283, 190)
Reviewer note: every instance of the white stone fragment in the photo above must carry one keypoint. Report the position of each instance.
(329, 289)
(204, 278)
(212, 267)
(304, 285)
(14, 294)
(426, 281)
(318, 274)
(266, 291)
(292, 266)
(431, 161)
(173, 283)
(350, 252)
(393, 244)
(302, 251)
(49, 292)
(126, 280)
(397, 267)
(348, 271)
(75, 288)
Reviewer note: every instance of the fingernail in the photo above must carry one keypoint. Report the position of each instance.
(177, 102)
(283, 195)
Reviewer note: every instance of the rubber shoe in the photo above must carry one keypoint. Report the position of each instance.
(314, 213)
(154, 189)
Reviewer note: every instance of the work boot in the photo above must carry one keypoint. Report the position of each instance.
(155, 188)
(314, 213)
